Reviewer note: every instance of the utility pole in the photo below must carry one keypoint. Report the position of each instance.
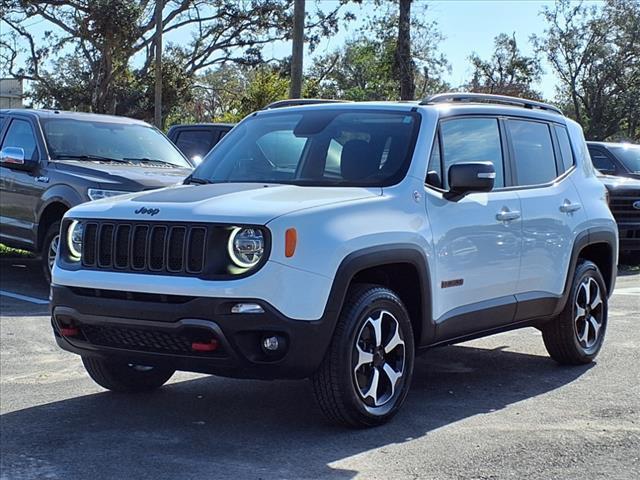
(295, 89)
(404, 65)
(157, 113)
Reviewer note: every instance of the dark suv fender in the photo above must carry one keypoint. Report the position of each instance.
(380, 256)
(57, 194)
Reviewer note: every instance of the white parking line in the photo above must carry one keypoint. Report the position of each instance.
(37, 301)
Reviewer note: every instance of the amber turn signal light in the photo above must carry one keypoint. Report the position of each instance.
(290, 242)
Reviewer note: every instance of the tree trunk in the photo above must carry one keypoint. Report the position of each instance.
(404, 62)
(157, 113)
(295, 88)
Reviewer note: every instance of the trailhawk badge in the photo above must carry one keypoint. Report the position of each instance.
(147, 211)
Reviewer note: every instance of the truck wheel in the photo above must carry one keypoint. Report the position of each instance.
(576, 335)
(365, 375)
(50, 247)
(125, 377)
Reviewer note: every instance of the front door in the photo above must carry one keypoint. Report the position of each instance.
(477, 240)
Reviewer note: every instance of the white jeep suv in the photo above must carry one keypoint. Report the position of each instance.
(336, 241)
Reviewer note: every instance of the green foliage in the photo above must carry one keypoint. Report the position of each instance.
(507, 72)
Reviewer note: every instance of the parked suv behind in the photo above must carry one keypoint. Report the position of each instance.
(51, 161)
(336, 241)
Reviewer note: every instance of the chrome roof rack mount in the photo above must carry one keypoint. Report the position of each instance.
(488, 98)
(293, 102)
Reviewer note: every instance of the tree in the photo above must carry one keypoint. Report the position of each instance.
(297, 49)
(507, 72)
(403, 65)
(595, 51)
(106, 47)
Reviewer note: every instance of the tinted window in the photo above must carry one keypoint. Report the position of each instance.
(629, 155)
(68, 139)
(434, 170)
(472, 140)
(319, 147)
(195, 142)
(534, 158)
(20, 134)
(601, 161)
(565, 147)
(1, 123)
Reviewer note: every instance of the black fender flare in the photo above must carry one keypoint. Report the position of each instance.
(62, 194)
(377, 256)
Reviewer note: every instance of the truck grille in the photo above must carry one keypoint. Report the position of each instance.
(621, 205)
(145, 247)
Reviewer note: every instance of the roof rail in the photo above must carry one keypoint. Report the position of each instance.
(293, 102)
(488, 98)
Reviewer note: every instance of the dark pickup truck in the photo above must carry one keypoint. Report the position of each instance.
(51, 161)
(196, 140)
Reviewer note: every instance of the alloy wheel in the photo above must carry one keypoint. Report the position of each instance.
(378, 358)
(53, 251)
(589, 313)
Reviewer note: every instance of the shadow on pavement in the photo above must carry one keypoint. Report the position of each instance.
(220, 428)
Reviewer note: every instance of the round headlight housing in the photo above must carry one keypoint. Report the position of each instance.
(74, 239)
(246, 246)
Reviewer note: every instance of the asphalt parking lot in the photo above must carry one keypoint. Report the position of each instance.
(489, 409)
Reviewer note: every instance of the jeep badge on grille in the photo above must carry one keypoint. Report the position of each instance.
(147, 211)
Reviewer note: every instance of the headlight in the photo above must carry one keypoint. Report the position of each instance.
(98, 193)
(246, 246)
(74, 239)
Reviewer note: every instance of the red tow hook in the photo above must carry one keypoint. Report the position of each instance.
(69, 331)
(209, 346)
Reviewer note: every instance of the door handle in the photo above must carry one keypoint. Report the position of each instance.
(506, 215)
(568, 207)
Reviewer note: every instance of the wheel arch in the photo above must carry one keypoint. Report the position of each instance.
(401, 267)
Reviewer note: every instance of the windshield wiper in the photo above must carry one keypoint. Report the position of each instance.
(90, 158)
(149, 160)
(195, 180)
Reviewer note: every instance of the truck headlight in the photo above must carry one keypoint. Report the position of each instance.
(99, 193)
(74, 239)
(246, 246)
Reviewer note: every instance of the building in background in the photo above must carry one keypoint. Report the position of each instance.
(11, 93)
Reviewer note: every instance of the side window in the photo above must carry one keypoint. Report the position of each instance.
(565, 147)
(434, 170)
(472, 140)
(194, 142)
(20, 134)
(534, 158)
(1, 123)
(601, 161)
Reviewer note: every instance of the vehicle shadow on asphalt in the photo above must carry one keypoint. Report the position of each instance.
(220, 428)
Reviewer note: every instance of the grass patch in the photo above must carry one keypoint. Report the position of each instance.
(12, 252)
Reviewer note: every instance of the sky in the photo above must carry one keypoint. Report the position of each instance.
(468, 26)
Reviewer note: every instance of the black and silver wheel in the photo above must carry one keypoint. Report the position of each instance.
(126, 377)
(50, 247)
(576, 335)
(365, 376)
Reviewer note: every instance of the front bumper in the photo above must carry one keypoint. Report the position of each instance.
(150, 329)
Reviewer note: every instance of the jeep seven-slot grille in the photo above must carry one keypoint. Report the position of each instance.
(145, 248)
(621, 205)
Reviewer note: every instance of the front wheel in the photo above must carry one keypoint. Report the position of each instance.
(366, 373)
(575, 337)
(126, 377)
(50, 247)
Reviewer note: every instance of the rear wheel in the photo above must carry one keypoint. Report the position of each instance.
(50, 247)
(365, 375)
(575, 337)
(126, 377)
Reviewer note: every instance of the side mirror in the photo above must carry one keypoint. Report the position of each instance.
(12, 156)
(470, 177)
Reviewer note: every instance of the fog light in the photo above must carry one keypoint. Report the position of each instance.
(271, 344)
(247, 308)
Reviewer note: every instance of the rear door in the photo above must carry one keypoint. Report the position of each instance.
(477, 239)
(542, 164)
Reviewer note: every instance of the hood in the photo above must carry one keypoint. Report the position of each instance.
(248, 203)
(120, 176)
(617, 183)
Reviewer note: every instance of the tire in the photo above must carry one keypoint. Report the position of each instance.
(342, 384)
(49, 247)
(575, 336)
(125, 378)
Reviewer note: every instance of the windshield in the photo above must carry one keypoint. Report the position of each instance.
(629, 155)
(87, 140)
(315, 147)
